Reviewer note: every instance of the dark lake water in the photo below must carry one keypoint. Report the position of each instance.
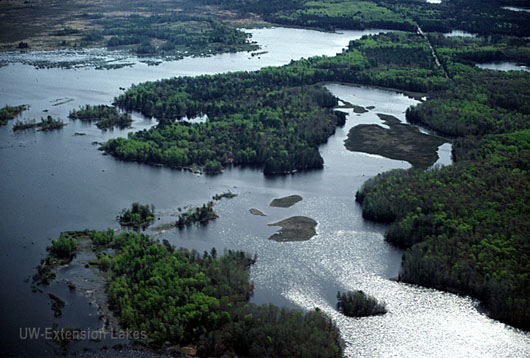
(57, 181)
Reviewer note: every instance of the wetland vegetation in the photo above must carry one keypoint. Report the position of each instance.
(161, 28)
(60, 252)
(401, 141)
(226, 195)
(296, 228)
(463, 101)
(465, 225)
(279, 114)
(285, 202)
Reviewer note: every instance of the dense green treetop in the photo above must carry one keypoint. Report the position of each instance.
(180, 297)
(275, 118)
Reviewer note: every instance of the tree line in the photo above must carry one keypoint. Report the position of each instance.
(485, 17)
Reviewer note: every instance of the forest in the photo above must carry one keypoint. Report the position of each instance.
(402, 15)
(479, 211)
(281, 116)
(280, 133)
(181, 297)
(173, 35)
(465, 226)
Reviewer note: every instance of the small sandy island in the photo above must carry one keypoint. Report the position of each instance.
(256, 212)
(296, 228)
(401, 142)
(286, 202)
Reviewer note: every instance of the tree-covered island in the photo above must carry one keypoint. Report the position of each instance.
(138, 216)
(9, 112)
(106, 117)
(200, 214)
(181, 298)
(46, 124)
(359, 304)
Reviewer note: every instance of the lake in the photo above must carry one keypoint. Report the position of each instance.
(57, 181)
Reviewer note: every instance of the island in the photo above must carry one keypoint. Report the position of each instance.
(296, 228)
(226, 195)
(138, 216)
(9, 112)
(359, 304)
(105, 116)
(189, 297)
(256, 212)
(254, 106)
(285, 202)
(444, 210)
(401, 142)
(46, 124)
(201, 214)
(197, 215)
